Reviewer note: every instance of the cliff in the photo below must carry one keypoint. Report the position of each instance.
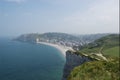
(96, 61)
(84, 67)
(73, 60)
(97, 70)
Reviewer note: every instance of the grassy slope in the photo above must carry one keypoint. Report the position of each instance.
(108, 45)
(96, 70)
(99, 70)
(114, 51)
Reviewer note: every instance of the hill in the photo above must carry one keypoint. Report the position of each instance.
(107, 45)
(99, 69)
(96, 70)
(59, 38)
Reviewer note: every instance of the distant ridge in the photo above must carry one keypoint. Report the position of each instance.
(78, 40)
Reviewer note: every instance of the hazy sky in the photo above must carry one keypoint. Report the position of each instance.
(69, 16)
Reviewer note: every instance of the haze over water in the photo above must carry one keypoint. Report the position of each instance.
(24, 61)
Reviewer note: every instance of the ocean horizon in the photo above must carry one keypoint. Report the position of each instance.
(25, 61)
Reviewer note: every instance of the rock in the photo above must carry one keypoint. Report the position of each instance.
(73, 60)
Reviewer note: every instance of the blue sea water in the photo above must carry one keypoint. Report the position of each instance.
(25, 61)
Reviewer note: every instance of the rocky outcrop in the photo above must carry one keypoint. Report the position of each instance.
(73, 60)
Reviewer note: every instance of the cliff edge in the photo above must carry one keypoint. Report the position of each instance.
(73, 60)
(98, 60)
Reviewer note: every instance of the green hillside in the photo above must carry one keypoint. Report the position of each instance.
(108, 45)
(96, 70)
(114, 51)
(99, 69)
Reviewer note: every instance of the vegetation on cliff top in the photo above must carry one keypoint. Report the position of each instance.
(99, 69)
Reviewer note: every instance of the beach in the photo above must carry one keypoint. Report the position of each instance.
(61, 48)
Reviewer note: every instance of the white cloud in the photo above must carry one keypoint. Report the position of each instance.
(104, 14)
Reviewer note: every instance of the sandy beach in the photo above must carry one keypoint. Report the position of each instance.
(61, 48)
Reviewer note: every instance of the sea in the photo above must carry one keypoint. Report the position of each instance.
(27, 61)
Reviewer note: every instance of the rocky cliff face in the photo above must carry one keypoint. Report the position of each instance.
(73, 60)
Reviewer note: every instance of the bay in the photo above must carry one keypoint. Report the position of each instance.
(25, 61)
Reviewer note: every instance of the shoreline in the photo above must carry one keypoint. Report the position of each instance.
(61, 48)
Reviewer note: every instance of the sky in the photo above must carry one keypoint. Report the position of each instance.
(66, 16)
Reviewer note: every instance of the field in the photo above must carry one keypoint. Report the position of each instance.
(114, 51)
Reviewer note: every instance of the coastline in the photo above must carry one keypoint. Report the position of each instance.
(61, 48)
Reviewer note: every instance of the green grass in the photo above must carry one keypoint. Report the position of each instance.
(108, 45)
(86, 50)
(101, 69)
(114, 51)
(96, 70)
